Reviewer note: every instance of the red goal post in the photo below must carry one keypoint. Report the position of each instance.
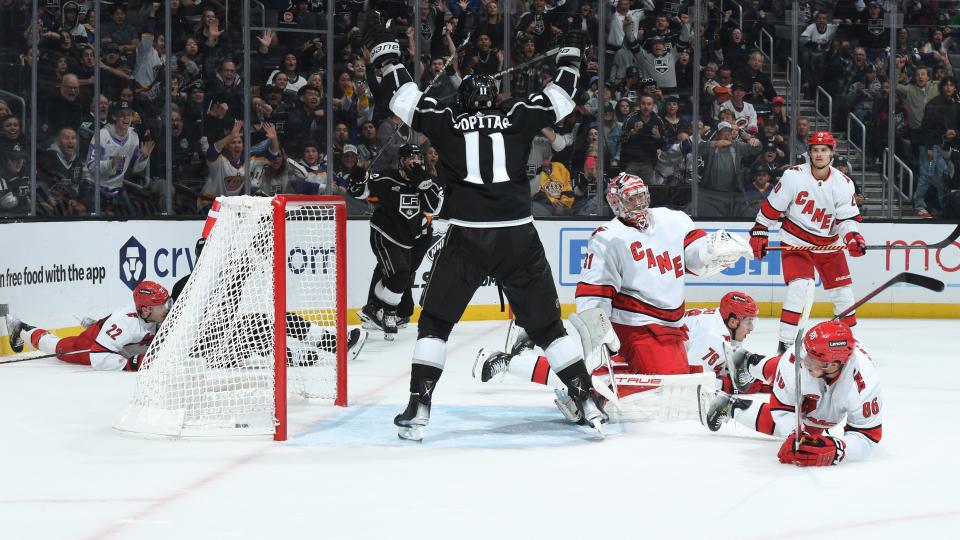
(261, 320)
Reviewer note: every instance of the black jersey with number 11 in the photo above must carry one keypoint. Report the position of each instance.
(483, 154)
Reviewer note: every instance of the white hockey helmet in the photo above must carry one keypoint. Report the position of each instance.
(629, 198)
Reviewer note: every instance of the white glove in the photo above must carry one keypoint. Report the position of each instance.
(595, 331)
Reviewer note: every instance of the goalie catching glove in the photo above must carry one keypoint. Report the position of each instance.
(595, 331)
(721, 250)
(814, 450)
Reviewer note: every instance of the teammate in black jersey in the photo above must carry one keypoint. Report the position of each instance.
(483, 155)
(405, 197)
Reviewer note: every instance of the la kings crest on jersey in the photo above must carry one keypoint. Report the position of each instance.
(660, 64)
(409, 204)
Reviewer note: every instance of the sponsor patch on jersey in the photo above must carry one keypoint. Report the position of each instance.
(409, 204)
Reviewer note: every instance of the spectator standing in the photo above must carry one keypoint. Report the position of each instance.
(120, 152)
(641, 140)
(60, 176)
(938, 129)
(721, 192)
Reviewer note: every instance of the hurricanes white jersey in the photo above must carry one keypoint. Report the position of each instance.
(814, 212)
(854, 395)
(707, 334)
(638, 276)
(122, 334)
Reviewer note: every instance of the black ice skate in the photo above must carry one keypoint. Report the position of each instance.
(302, 358)
(403, 322)
(417, 414)
(370, 314)
(14, 327)
(717, 408)
(738, 364)
(490, 363)
(589, 406)
(355, 341)
(389, 324)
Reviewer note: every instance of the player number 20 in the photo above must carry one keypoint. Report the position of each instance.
(472, 140)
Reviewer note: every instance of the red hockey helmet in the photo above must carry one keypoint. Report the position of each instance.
(149, 294)
(629, 198)
(822, 137)
(829, 341)
(738, 304)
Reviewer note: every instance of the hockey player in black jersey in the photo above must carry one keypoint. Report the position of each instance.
(483, 155)
(404, 196)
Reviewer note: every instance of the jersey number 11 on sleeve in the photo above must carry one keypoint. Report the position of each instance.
(472, 140)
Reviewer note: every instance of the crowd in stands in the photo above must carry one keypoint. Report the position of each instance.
(645, 105)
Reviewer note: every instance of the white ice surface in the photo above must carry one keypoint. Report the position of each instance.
(497, 462)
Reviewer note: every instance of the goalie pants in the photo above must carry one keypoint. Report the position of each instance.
(653, 349)
(416, 255)
(514, 257)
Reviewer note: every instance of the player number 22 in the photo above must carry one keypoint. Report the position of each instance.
(472, 140)
(114, 331)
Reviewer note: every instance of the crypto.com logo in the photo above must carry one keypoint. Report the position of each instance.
(133, 263)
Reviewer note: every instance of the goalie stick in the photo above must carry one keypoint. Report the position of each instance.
(926, 282)
(938, 245)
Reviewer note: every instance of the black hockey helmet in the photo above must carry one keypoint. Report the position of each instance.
(476, 93)
(409, 150)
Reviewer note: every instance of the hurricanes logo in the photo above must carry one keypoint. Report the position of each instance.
(133, 263)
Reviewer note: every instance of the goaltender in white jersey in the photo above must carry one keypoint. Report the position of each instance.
(630, 298)
(838, 382)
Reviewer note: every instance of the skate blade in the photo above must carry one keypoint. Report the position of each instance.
(596, 429)
(412, 433)
(478, 364)
(389, 337)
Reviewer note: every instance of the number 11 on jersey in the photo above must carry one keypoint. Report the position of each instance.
(472, 140)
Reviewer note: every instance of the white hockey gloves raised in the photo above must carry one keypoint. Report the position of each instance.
(595, 331)
(721, 250)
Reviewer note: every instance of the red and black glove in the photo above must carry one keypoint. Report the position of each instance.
(133, 364)
(758, 240)
(814, 450)
(856, 245)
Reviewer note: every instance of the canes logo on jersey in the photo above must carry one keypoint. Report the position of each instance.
(133, 263)
(820, 215)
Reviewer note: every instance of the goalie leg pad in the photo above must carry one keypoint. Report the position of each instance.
(595, 331)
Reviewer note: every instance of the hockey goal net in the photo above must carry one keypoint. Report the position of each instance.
(261, 319)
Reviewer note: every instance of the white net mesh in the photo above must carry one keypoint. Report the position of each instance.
(210, 370)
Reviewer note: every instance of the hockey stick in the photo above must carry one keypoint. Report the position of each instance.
(910, 278)
(534, 60)
(939, 245)
(15, 360)
(926, 282)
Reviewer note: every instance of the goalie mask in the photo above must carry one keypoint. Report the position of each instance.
(629, 198)
(826, 343)
(410, 161)
(477, 93)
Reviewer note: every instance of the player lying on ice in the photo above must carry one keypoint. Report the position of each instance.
(114, 343)
(712, 334)
(630, 298)
(838, 380)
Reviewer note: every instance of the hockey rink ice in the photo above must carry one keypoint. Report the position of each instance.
(498, 461)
